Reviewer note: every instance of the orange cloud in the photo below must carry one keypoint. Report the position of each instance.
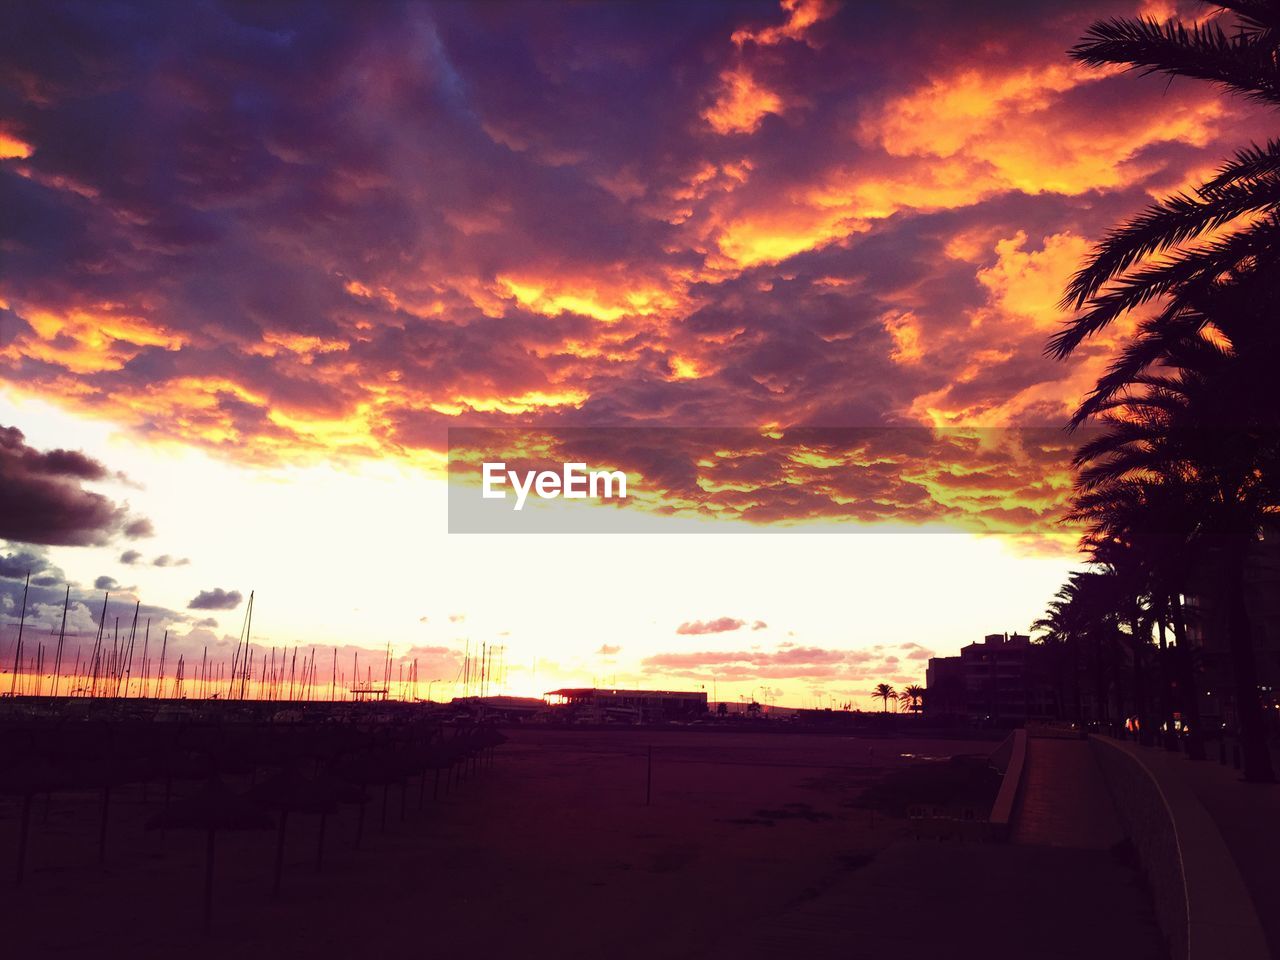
(11, 148)
(1009, 128)
(84, 341)
(741, 104)
(801, 15)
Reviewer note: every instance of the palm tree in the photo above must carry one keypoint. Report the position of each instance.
(1083, 618)
(912, 696)
(1236, 207)
(1151, 521)
(1190, 402)
(885, 693)
(1209, 429)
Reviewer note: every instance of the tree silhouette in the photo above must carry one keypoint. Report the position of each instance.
(1188, 409)
(912, 696)
(1120, 273)
(884, 692)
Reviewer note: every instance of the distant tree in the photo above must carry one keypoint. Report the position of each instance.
(885, 693)
(912, 696)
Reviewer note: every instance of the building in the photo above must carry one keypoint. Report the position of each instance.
(593, 705)
(1003, 680)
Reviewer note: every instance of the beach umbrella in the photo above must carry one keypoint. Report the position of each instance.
(104, 771)
(289, 792)
(25, 779)
(342, 792)
(213, 809)
(371, 769)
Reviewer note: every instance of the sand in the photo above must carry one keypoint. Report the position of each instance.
(551, 851)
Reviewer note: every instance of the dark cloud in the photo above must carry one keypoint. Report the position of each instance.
(16, 566)
(42, 499)
(719, 625)
(106, 583)
(130, 557)
(141, 527)
(608, 650)
(304, 207)
(165, 560)
(85, 607)
(207, 622)
(215, 599)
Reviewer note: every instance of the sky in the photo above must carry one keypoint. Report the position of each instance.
(255, 261)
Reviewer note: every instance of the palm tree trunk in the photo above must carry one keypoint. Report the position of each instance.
(1255, 753)
(1139, 679)
(1076, 690)
(1103, 705)
(1170, 736)
(1189, 701)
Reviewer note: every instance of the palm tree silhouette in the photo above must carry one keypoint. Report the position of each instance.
(1154, 518)
(1209, 428)
(1119, 275)
(912, 696)
(1189, 406)
(885, 693)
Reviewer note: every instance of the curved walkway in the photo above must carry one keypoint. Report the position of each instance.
(1064, 800)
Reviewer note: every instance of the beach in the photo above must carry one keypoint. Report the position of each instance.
(550, 850)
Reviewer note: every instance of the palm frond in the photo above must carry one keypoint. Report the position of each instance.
(1206, 261)
(1241, 62)
(1167, 224)
(1249, 163)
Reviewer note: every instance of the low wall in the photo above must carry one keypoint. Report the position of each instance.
(1201, 902)
(1011, 759)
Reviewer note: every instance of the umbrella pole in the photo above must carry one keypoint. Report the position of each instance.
(168, 792)
(208, 881)
(275, 888)
(22, 836)
(102, 827)
(320, 844)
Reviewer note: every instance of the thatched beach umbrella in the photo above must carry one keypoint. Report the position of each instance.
(290, 792)
(25, 779)
(342, 792)
(213, 809)
(370, 769)
(104, 771)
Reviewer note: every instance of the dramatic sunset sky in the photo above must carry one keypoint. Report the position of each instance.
(255, 260)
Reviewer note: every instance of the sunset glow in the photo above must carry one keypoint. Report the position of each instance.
(259, 303)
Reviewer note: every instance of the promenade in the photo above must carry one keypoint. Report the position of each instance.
(1064, 800)
(1230, 843)
(1057, 884)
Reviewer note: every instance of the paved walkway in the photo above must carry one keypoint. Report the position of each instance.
(1247, 817)
(1064, 800)
(949, 899)
(1054, 893)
